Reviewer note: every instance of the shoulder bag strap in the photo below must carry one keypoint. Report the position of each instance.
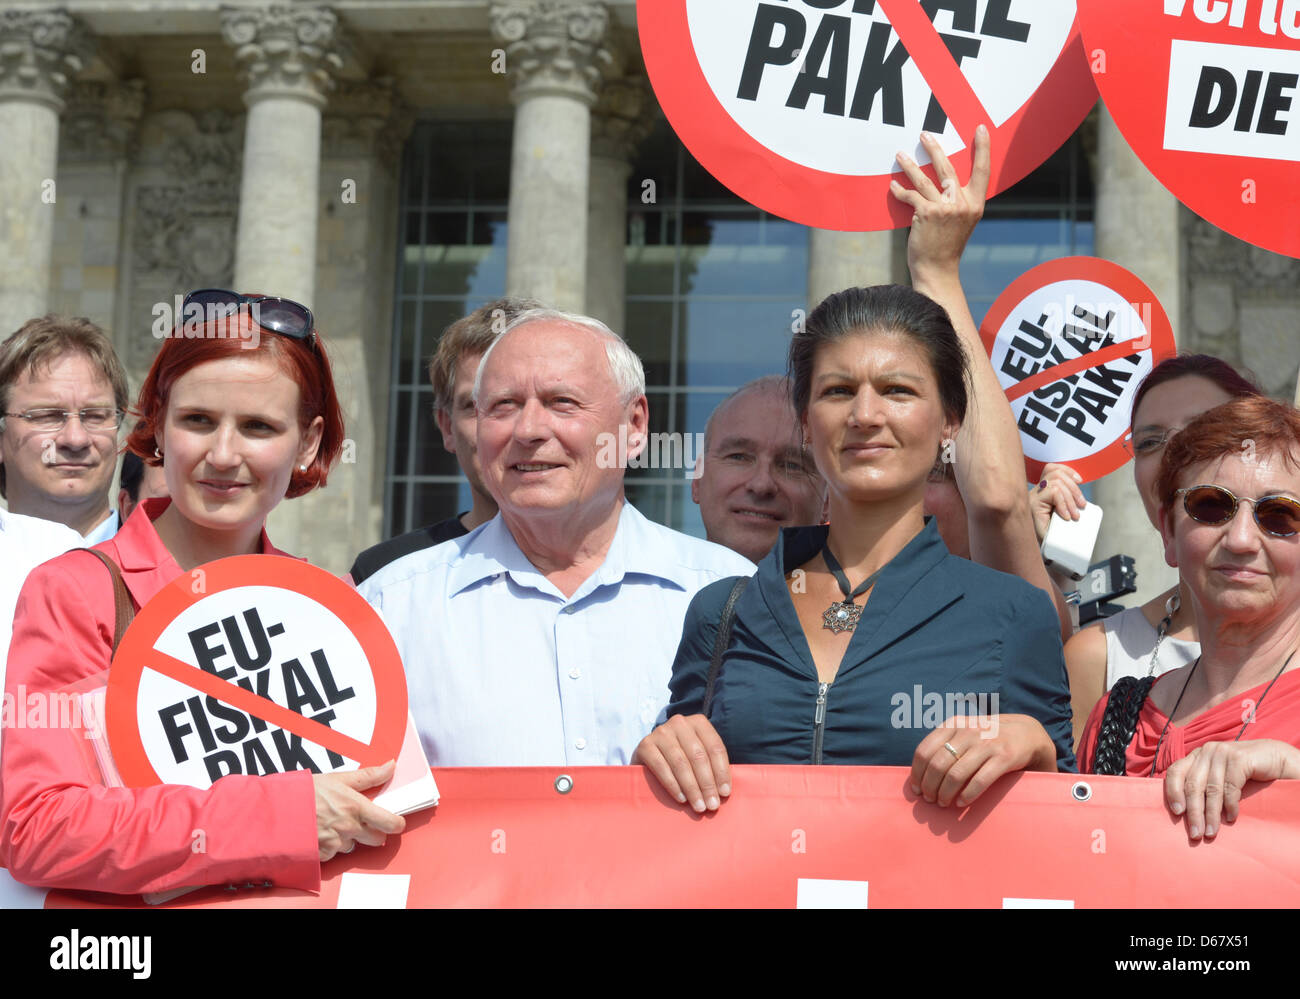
(723, 639)
(1119, 724)
(123, 612)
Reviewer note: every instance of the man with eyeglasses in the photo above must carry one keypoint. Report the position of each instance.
(754, 478)
(62, 393)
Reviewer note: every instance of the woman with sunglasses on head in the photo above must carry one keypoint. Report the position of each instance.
(1161, 634)
(239, 408)
(1228, 489)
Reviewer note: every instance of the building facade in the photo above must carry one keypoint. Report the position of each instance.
(396, 163)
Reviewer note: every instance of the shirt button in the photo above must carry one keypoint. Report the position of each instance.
(570, 609)
(580, 744)
(574, 674)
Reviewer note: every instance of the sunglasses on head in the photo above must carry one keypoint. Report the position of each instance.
(1277, 515)
(275, 315)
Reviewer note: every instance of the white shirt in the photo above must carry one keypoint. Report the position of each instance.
(25, 542)
(106, 529)
(503, 670)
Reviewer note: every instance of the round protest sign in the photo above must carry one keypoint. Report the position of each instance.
(1070, 342)
(800, 106)
(252, 665)
(1205, 91)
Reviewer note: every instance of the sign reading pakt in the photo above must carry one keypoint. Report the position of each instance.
(1207, 92)
(1070, 342)
(254, 665)
(800, 106)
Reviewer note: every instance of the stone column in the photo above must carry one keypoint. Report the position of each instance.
(1138, 227)
(555, 62)
(286, 55)
(39, 52)
(618, 125)
(364, 131)
(839, 260)
(97, 140)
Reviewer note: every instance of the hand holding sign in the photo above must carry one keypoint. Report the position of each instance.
(1057, 493)
(346, 817)
(944, 216)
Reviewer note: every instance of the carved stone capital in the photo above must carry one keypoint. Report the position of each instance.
(366, 118)
(284, 51)
(100, 120)
(553, 46)
(622, 118)
(40, 51)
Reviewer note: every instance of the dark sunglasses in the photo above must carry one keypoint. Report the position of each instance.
(275, 315)
(1277, 515)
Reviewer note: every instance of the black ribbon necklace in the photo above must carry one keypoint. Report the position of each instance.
(843, 614)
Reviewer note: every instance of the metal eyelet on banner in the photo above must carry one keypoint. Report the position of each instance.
(564, 783)
(1081, 791)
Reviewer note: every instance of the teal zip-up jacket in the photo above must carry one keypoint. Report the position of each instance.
(939, 635)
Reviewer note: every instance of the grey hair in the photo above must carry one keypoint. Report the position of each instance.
(624, 365)
(774, 383)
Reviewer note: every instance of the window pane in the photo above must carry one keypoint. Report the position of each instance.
(436, 502)
(649, 499)
(451, 259)
(431, 457)
(402, 432)
(396, 510)
(650, 333)
(408, 341)
(731, 342)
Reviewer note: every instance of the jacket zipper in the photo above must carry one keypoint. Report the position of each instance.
(819, 721)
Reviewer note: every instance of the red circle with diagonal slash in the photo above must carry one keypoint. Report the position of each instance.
(1139, 48)
(1127, 287)
(839, 201)
(137, 654)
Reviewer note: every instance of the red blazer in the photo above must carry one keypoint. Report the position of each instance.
(59, 827)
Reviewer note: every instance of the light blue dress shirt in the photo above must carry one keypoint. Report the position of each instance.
(503, 670)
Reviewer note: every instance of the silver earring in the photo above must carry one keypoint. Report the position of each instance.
(302, 468)
(157, 454)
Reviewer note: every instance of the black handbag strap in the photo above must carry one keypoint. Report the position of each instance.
(1119, 724)
(722, 640)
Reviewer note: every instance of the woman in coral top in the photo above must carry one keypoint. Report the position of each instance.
(241, 412)
(1229, 492)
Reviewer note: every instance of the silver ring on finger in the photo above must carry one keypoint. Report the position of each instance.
(952, 749)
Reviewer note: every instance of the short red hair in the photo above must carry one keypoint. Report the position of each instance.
(223, 337)
(1253, 423)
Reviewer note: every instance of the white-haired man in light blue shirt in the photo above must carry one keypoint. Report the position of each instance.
(547, 635)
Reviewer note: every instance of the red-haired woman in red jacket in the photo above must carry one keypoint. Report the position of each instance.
(239, 407)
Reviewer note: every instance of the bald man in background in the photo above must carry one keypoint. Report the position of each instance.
(754, 476)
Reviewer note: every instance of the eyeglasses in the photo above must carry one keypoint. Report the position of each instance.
(275, 315)
(93, 420)
(1277, 515)
(1148, 443)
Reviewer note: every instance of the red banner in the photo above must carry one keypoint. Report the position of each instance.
(800, 836)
